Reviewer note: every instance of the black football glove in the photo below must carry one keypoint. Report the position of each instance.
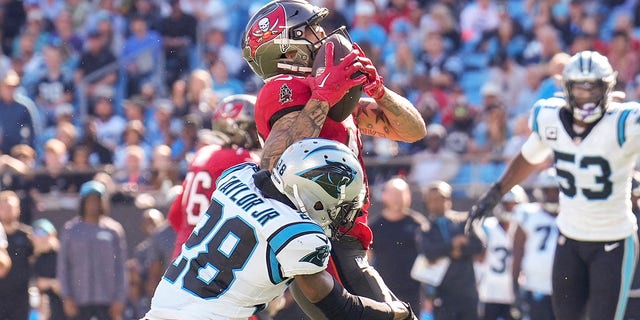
(485, 204)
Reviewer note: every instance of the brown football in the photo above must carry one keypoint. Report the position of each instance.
(341, 47)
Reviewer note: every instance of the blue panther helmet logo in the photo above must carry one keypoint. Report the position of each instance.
(331, 176)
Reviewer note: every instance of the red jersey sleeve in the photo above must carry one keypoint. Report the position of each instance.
(279, 96)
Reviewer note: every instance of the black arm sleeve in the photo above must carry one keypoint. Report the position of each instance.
(340, 304)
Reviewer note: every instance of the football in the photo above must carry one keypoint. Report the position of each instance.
(341, 47)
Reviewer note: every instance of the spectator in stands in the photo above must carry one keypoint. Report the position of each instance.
(79, 11)
(15, 171)
(507, 75)
(80, 159)
(5, 259)
(163, 170)
(133, 135)
(14, 296)
(134, 109)
(178, 32)
(140, 55)
(186, 143)
(544, 46)
(55, 178)
(67, 38)
(17, 121)
(160, 131)
(110, 23)
(99, 154)
(395, 10)
(457, 296)
(520, 129)
(109, 125)
(224, 85)
(489, 139)
(550, 86)
(47, 245)
(460, 130)
(13, 19)
(394, 245)
(200, 95)
(443, 68)
(436, 162)
(441, 18)
(216, 45)
(336, 17)
(134, 176)
(624, 57)
(149, 11)
(532, 83)
(366, 30)
(53, 88)
(178, 97)
(95, 57)
(478, 17)
(403, 69)
(91, 267)
(28, 46)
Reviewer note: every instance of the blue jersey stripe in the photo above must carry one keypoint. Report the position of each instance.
(627, 273)
(536, 111)
(275, 275)
(286, 234)
(621, 127)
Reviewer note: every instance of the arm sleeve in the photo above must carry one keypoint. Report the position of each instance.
(534, 150)
(301, 248)
(340, 304)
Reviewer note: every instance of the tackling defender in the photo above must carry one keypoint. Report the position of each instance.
(265, 230)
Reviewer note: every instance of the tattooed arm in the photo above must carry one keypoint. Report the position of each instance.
(292, 127)
(391, 116)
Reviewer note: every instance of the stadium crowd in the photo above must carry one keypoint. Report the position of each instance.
(122, 91)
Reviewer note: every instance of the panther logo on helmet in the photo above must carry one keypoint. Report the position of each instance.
(266, 29)
(331, 177)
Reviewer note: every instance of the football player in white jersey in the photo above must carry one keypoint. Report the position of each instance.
(264, 230)
(535, 244)
(496, 286)
(595, 144)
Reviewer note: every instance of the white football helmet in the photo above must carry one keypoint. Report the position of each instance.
(324, 179)
(515, 196)
(547, 190)
(590, 71)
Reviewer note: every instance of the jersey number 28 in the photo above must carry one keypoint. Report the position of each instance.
(228, 248)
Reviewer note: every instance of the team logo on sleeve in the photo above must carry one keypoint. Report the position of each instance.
(331, 176)
(551, 133)
(317, 257)
(286, 95)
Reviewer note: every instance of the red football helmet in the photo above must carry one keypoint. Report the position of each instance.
(278, 28)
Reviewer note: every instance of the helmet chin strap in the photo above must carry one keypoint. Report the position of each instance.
(296, 195)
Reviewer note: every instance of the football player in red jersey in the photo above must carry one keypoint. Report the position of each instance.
(293, 105)
(233, 122)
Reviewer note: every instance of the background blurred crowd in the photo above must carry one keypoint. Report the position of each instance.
(127, 87)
